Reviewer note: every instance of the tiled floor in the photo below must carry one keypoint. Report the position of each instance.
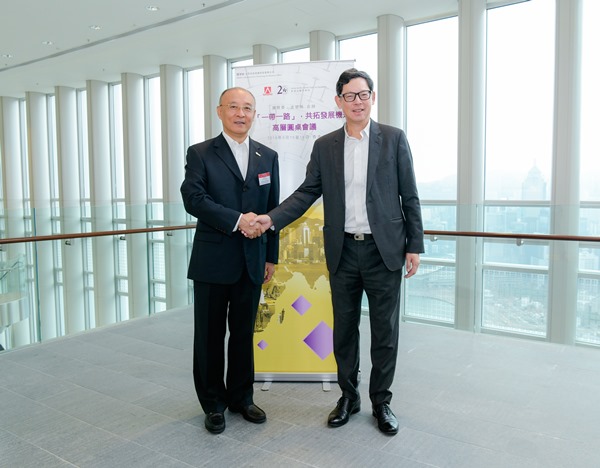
(123, 396)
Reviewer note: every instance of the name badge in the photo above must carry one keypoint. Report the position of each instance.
(264, 178)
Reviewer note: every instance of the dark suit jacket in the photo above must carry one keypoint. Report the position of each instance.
(214, 192)
(393, 206)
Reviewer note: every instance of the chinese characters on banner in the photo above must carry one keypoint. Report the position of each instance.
(294, 106)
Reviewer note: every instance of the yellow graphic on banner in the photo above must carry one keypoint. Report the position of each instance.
(294, 326)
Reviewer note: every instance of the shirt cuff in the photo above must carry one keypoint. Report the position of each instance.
(235, 228)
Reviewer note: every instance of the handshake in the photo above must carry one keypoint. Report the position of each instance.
(252, 225)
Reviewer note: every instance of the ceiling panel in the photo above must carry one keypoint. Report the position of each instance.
(180, 32)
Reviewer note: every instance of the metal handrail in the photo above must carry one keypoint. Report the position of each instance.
(509, 235)
(79, 235)
(496, 235)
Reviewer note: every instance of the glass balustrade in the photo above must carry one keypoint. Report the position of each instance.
(65, 271)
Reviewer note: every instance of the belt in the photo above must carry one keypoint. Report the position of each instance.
(358, 237)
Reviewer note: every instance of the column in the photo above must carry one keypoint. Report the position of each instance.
(39, 179)
(264, 54)
(18, 333)
(68, 167)
(471, 147)
(134, 148)
(322, 46)
(215, 82)
(173, 151)
(564, 265)
(391, 70)
(101, 202)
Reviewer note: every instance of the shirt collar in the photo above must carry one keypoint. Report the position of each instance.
(365, 132)
(233, 144)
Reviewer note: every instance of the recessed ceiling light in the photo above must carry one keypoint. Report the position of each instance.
(95, 27)
(47, 42)
(152, 8)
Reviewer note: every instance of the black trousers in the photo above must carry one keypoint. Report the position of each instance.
(217, 306)
(362, 269)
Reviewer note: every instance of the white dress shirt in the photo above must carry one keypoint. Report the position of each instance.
(356, 159)
(240, 152)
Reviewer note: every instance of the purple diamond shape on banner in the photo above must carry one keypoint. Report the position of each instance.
(262, 344)
(320, 340)
(301, 305)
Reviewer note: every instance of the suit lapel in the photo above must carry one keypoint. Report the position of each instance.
(338, 164)
(374, 153)
(224, 152)
(253, 158)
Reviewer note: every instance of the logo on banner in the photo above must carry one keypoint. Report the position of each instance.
(267, 91)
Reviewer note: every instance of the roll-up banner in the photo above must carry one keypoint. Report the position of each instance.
(293, 334)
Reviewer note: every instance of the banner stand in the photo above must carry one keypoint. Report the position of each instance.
(293, 335)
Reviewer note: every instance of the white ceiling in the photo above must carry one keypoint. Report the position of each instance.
(133, 39)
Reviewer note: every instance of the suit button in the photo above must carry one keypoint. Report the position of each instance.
(244, 188)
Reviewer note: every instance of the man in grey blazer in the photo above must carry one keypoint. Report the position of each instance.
(372, 228)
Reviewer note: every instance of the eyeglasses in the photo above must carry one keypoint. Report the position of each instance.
(350, 97)
(235, 108)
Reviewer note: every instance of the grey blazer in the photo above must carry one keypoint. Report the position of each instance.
(393, 206)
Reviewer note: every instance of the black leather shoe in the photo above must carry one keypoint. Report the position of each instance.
(342, 411)
(386, 420)
(215, 422)
(250, 413)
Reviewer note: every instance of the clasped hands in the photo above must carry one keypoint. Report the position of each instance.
(253, 225)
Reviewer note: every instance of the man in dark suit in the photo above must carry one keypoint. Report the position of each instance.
(227, 180)
(372, 228)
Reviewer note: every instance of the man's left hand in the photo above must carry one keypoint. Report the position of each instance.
(269, 270)
(412, 264)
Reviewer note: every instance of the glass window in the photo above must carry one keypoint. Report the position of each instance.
(520, 101)
(296, 55)
(53, 155)
(156, 214)
(82, 136)
(121, 274)
(588, 308)
(24, 153)
(116, 135)
(248, 62)
(432, 106)
(55, 213)
(86, 211)
(118, 193)
(518, 165)
(195, 106)
(363, 50)
(88, 278)
(590, 103)
(1, 182)
(154, 138)
(517, 218)
(431, 294)
(588, 287)
(515, 301)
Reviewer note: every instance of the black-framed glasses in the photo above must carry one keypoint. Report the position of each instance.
(235, 108)
(362, 95)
